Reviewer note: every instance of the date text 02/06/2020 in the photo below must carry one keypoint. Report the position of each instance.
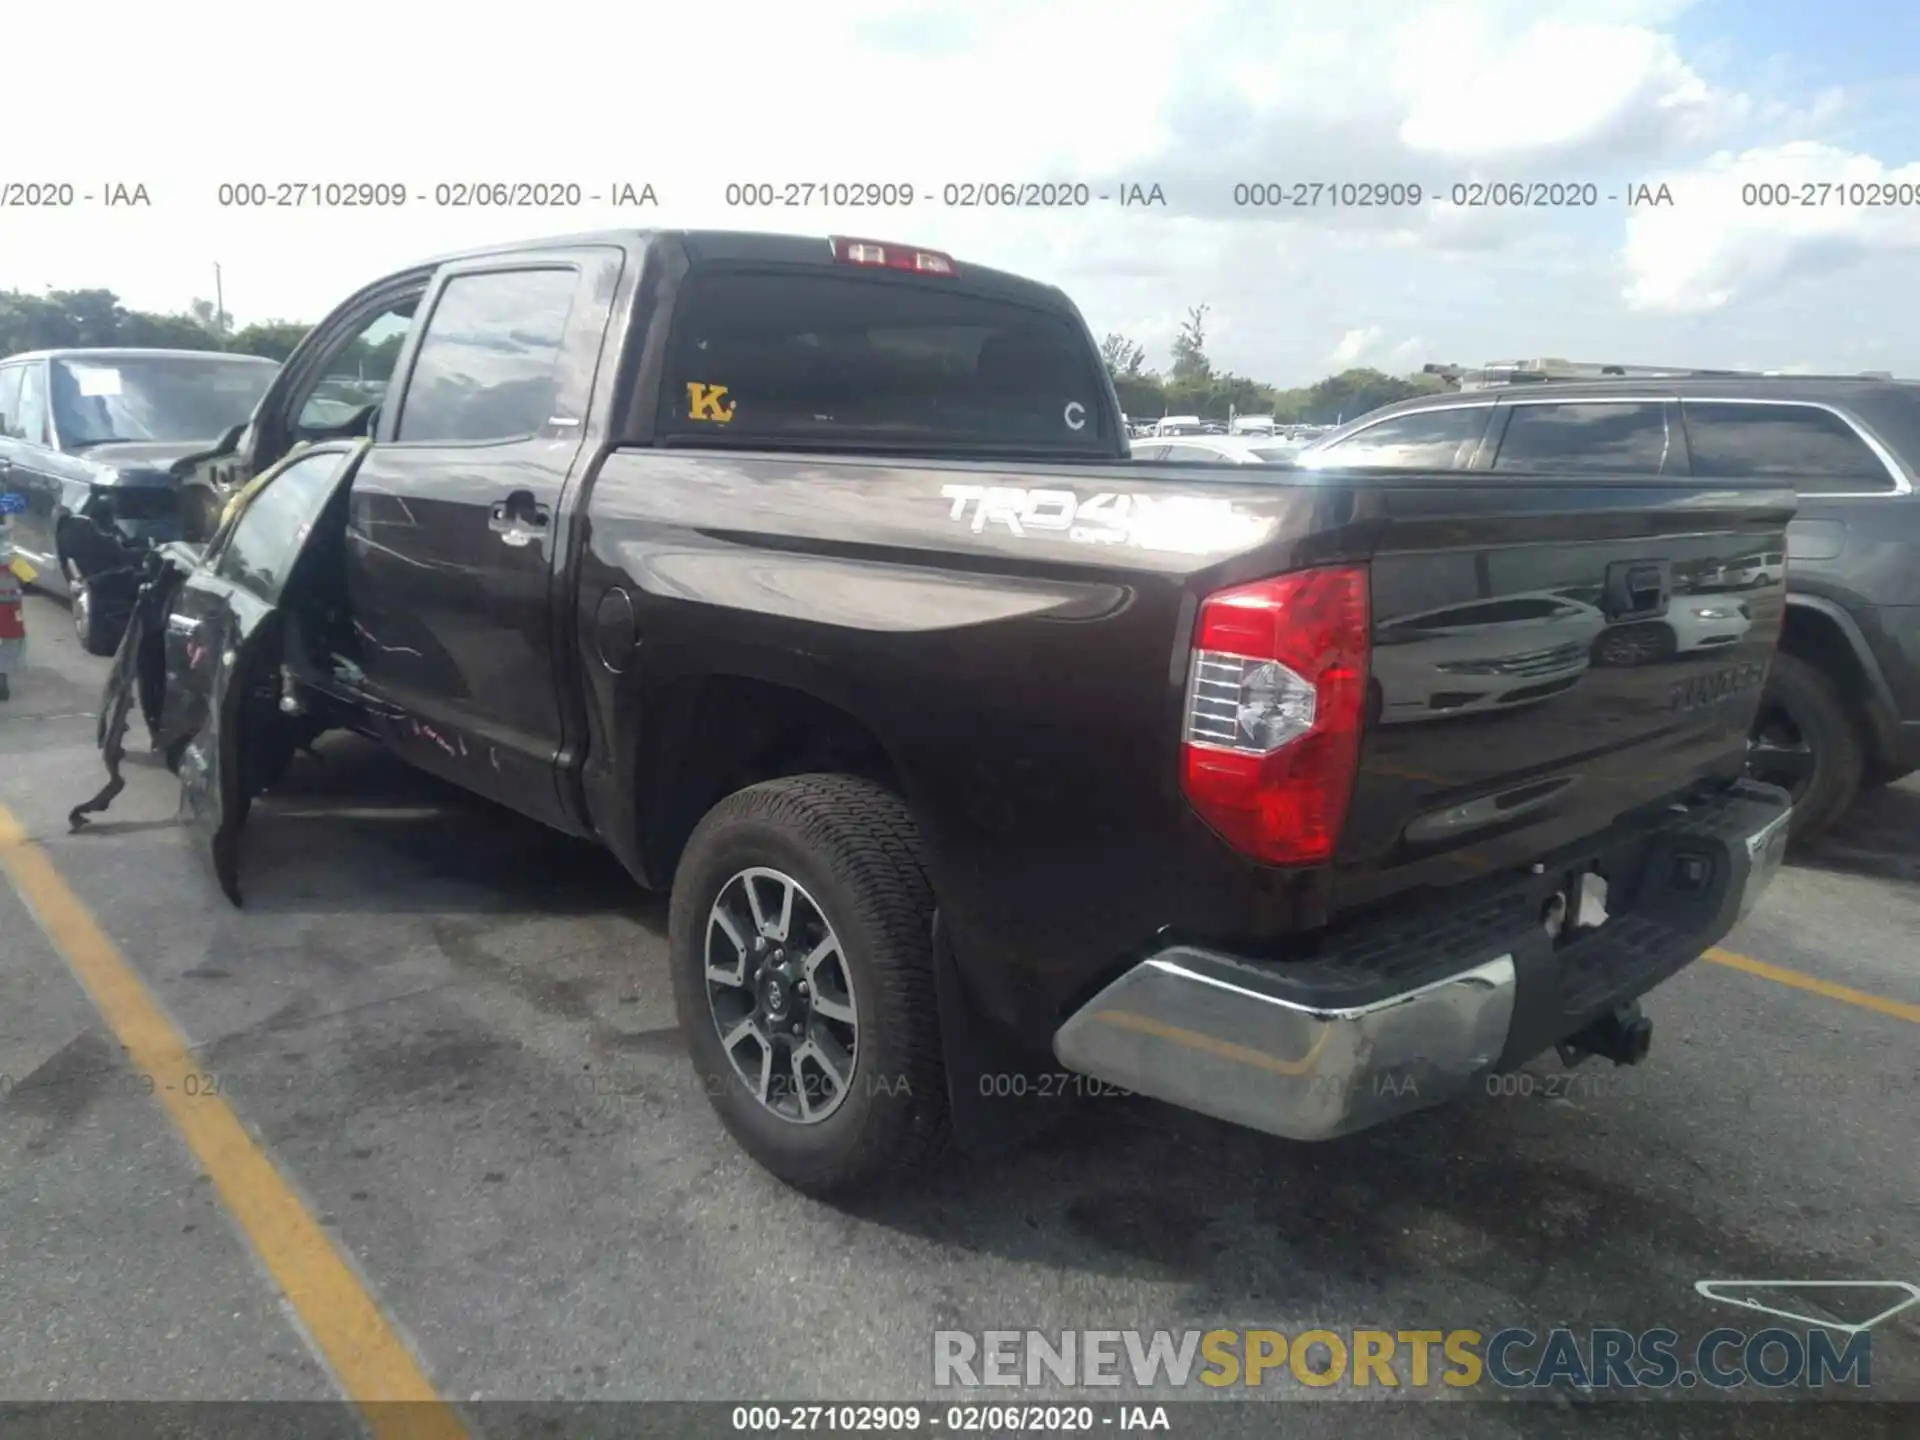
(898, 194)
(559, 194)
(1282, 195)
(1003, 1419)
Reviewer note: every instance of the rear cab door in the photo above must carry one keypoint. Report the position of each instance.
(458, 520)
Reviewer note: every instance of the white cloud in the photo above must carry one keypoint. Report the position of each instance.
(1194, 95)
(1354, 346)
(1559, 86)
(1364, 347)
(1757, 220)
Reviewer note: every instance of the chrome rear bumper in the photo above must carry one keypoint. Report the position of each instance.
(1248, 1043)
(1257, 1059)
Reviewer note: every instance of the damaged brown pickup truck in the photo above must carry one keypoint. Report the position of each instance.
(814, 580)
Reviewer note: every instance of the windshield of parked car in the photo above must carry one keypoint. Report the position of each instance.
(154, 397)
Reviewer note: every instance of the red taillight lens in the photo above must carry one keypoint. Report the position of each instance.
(1276, 700)
(889, 256)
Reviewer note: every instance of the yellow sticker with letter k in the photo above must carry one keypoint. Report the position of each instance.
(708, 402)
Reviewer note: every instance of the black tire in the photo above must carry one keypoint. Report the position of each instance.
(96, 636)
(1805, 740)
(854, 849)
(1879, 775)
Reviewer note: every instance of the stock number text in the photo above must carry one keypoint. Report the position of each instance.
(1864, 194)
(888, 1419)
(311, 194)
(799, 194)
(1314, 194)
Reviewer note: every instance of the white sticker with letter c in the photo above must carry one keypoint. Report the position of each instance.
(1076, 415)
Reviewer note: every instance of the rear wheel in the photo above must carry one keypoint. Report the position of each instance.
(96, 637)
(1805, 741)
(802, 958)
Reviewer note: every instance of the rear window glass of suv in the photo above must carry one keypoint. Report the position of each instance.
(1820, 452)
(875, 362)
(1629, 438)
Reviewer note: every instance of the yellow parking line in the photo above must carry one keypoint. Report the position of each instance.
(375, 1368)
(1899, 1009)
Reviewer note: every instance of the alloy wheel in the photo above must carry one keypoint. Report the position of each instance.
(781, 995)
(79, 601)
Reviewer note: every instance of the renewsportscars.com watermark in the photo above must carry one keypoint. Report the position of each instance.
(1598, 1358)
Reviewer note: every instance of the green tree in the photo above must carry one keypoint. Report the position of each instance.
(274, 339)
(1124, 359)
(214, 321)
(1354, 392)
(62, 319)
(86, 318)
(1190, 362)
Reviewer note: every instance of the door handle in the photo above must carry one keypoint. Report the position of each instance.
(517, 512)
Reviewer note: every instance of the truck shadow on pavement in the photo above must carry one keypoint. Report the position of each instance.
(1489, 1212)
(1479, 1214)
(1879, 838)
(352, 828)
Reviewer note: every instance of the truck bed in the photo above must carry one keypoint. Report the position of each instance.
(1548, 654)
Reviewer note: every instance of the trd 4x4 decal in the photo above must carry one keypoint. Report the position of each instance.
(1189, 524)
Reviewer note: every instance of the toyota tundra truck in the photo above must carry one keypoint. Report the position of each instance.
(813, 578)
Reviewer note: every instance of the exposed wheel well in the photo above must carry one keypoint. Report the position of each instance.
(200, 510)
(1814, 637)
(718, 734)
(69, 541)
(75, 538)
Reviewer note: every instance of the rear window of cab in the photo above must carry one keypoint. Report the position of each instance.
(880, 362)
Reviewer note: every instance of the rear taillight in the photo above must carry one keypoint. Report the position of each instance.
(889, 256)
(1276, 700)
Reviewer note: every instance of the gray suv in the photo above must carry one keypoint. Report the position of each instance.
(1842, 705)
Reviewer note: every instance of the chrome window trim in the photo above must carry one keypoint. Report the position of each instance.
(1409, 414)
(1317, 447)
(1593, 400)
(1902, 481)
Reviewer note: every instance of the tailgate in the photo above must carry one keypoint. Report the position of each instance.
(1547, 655)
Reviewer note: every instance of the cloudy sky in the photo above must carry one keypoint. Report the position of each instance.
(1710, 99)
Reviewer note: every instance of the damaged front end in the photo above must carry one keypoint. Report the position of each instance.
(107, 540)
(214, 650)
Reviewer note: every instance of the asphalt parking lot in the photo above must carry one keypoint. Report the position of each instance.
(451, 1034)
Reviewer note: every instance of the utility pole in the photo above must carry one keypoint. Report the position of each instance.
(219, 303)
